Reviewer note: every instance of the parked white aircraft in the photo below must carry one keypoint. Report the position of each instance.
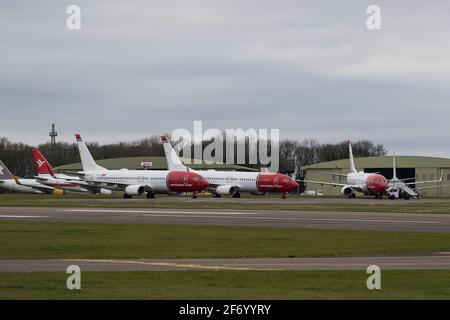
(48, 176)
(10, 182)
(138, 182)
(367, 183)
(398, 188)
(234, 182)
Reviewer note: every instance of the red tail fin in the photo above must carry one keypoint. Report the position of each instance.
(41, 165)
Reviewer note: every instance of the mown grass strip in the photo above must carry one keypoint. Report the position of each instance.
(42, 240)
(227, 285)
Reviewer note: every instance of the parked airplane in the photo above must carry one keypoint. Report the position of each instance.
(48, 176)
(398, 188)
(367, 183)
(138, 182)
(233, 182)
(10, 182)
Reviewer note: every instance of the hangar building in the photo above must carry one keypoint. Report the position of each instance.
(418, 168)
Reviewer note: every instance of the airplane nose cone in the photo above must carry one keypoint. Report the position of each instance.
(377, 183)
(293, 185)
(202, 183)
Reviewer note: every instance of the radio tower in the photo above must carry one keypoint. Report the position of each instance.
(53, 134)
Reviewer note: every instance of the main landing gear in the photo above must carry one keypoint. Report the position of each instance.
(194, 195)
(283, 195)
(150, 195)
(236, 195)
(352, 196)
(126, 196)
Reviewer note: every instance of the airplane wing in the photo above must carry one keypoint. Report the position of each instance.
(330, 183)
(213, 186)
(429, 181)
(40, 178)
(75, 173)
(40, 187)
(431, 187)
(406, 179)
(334, 174)
(112, 185)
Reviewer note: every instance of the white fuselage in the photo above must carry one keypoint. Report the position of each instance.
(11, 185)
(358, 179)
(253, 182)
(157, 180)
(245, 181)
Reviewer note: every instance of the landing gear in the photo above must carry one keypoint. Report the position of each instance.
(352, 196)
(236, 195)
(126, 196)
(216, 195)
(283, 196)
(150, 195)
(194, 195)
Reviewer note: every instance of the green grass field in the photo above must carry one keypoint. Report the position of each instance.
(74, 200)
(42, 240)
(227, 285)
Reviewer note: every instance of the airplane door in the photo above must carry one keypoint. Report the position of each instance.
(275, 181)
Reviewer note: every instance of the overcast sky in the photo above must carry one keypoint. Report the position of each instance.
(309, 68)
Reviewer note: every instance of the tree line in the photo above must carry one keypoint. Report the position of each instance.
(17, 155)
(310, 151)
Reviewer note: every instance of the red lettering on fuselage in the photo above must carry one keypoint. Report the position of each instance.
(275, 182)
(185, 181)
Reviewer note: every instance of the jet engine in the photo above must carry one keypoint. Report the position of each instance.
(346, 191)
(57, 192)
(135, 190)
(225, 190)
(104, 191)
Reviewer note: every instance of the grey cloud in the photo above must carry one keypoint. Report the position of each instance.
(309, 68)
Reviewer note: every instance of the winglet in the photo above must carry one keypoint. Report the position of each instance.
(394, 168)
(78, 137)
(17, 181)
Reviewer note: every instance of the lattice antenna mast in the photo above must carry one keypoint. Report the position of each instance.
(53, 134)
